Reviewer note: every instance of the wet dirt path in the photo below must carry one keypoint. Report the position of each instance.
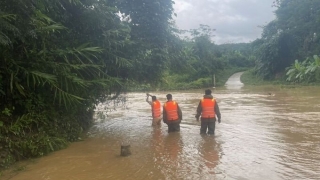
(267, 132)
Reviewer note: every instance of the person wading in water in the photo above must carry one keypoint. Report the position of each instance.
(208, 109)
(156, 110)
(172, 114)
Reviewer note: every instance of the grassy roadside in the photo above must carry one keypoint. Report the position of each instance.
(251, 79)
(183, 82)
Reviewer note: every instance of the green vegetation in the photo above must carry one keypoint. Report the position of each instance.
(293, 36)
(182, 82)
(306, 71)
(195, 62)
(251, 78)
(58, 59)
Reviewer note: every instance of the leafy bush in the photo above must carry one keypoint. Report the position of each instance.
(305, 71)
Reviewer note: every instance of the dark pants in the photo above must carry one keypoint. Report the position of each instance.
(174, 126)
(209, 124)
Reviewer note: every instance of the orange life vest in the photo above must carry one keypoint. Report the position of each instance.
(208, 108)
(156, 109)
(171, 109)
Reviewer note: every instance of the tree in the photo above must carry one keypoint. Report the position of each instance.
(305, 71)
(151, 33)
(57, 60)
(207, 52)
(293, 35)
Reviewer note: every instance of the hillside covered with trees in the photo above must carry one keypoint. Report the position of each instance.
(290, 44)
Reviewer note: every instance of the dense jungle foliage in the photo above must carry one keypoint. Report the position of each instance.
(59, 58)
(290, 44)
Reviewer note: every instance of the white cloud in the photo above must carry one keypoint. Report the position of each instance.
(181, 5)
(235, 20)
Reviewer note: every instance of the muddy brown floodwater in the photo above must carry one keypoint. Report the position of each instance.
(267, 132)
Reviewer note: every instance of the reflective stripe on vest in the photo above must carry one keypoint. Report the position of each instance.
(208, 108)
(171, 109)
(156, 109)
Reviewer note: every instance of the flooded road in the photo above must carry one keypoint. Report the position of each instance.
(267, 132)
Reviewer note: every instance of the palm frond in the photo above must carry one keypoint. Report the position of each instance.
(6, 28)
(80, 53)
(40, 78)
(43, 23)
(66, 98)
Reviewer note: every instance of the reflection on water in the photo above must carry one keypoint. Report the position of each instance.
(261, 136)
(209, 153)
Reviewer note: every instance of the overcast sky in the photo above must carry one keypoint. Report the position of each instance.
(234, 20)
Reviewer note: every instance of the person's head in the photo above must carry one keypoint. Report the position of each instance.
(169, 96)
(207, 92)
(154, 98)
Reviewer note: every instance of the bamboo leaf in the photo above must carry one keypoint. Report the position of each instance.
(20, 89)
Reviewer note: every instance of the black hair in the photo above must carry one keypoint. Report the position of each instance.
(207, 92)
(154, 98)
(169, 96)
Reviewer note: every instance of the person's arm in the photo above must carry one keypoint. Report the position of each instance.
(164, 116)
(147, 100)
(179, 113)
(217, 111)
(199, 110)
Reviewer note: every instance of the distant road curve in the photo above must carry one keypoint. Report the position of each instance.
(234, 81)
